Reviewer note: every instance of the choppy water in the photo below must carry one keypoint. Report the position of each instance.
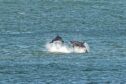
(27, 25)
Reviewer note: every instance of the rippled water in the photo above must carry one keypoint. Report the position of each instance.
(27, 25)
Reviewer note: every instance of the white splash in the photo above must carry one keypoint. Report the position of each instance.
(79, 50)
(87, 47)
(58, 47)
(54, 47)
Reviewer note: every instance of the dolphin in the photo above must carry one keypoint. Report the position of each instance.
(77, 44)
(57, 38)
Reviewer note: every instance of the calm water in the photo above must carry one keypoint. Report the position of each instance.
(26, 26)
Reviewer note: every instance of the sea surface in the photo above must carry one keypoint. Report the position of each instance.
(27, 25)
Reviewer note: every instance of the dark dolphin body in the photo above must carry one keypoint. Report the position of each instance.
(77, 44)
(57, 38)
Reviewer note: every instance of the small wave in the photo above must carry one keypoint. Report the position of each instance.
(21, 13)
(14, 32)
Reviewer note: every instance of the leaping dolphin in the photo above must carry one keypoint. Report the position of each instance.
(78, 44)
(57, 38)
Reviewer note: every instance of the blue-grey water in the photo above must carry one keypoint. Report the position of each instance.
(27, 25)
